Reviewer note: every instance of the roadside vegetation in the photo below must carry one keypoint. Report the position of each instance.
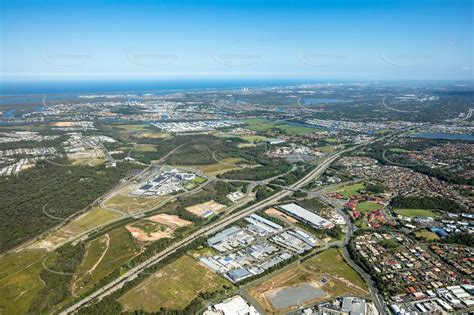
(173, 287)
(62, 191)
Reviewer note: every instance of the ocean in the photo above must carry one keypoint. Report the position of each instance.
(145, 86)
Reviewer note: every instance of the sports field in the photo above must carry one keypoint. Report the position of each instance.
(327, 271)
(412, 213)
(348, 191)
(173, 287)
(367, 206)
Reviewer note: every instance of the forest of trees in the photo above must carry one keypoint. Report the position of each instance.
(62, 191)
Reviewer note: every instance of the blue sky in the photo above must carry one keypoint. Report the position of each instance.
(333, 39)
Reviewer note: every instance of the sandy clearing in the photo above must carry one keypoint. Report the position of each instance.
(275, 212)
(154, 236)
(202, 208)
(169, 220)
(63, 124)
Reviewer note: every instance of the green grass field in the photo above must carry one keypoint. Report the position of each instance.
(128, 203)
(332, 262)
(254, 139)
(19, 280)
(199, 180)
(427, 235)
(173, 287)
(92, 218)
(399, 150)
(297, 130)
(144, 148)
(349, 190)
(412, 213)
(219, 167)
(149, 226)
(258, 124)
(367, 206)
(103, 255)
(134, 127)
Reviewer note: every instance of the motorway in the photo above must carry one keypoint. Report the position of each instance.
(209, 230)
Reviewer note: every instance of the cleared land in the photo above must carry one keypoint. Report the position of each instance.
(156, 227)
(280, 215)
(203, 251)
(202, 208)
(219, 167)
(367, 206)
(254, 139)
(144, 148)
(91, 157)
(330, 148)
(20, 280)
(412, 213)
(133, 127)
(349, 190)
(327, 271)
(131, 204)
(169, 219)
(139, 131)
(173, 287)
(151, 135)
(63, 124)
(92, 218)
(103, 255)
(147, 231)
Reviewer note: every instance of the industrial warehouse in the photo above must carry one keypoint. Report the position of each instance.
(306, 216)
(251, 250)
(166, 183)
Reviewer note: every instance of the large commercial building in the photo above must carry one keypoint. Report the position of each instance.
(306, 216)
(232, 306)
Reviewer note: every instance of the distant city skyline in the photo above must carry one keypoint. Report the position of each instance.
(354, 40)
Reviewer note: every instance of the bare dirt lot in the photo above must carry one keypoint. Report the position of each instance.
(156, 227)
(202, 208)
(322, 277)
(149, 236)
(169, 219)
(276, 213)
(63, 124)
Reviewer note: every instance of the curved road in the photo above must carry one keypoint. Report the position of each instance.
(209, 230)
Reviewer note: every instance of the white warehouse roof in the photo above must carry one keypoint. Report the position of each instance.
(306, 215)
(235, 306)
